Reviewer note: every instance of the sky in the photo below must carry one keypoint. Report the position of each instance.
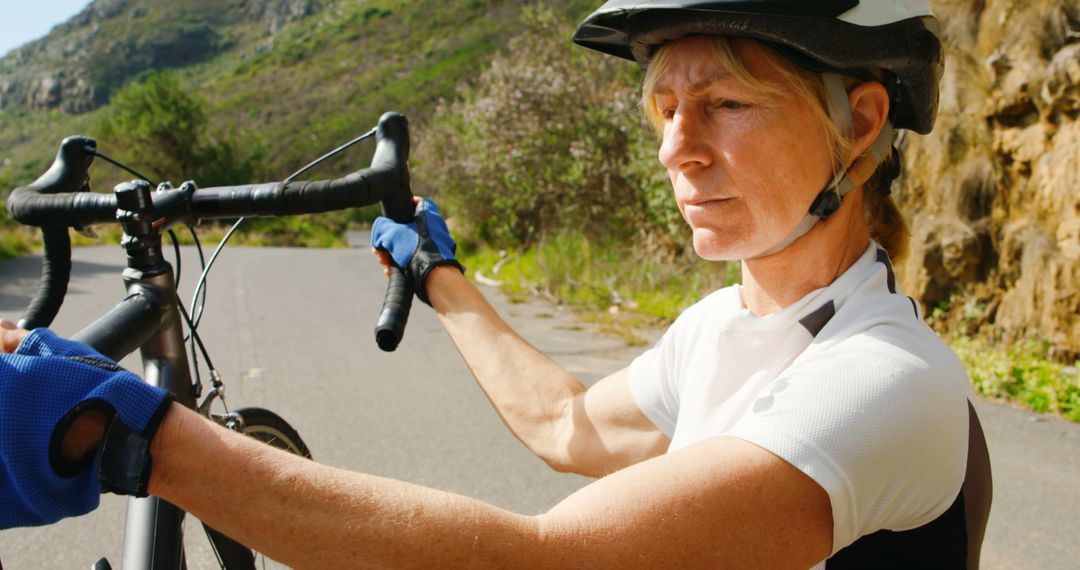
(26, 20)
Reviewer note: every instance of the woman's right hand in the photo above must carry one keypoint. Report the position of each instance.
(10, 336)
(417, 247)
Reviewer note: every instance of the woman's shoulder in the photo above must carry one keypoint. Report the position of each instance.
(898, 362)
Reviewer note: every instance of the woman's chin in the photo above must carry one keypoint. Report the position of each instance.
(712, 245)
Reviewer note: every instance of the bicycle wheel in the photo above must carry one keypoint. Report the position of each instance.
(271, 429)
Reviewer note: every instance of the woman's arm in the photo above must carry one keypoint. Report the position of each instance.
(591, 431)
(722, 502)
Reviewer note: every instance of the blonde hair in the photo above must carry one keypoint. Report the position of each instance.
(883, 219)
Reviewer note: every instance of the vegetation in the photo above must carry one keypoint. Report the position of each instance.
(164, 131)
(14, 239)
(615, 284)
(1026, 372)
(569, 149)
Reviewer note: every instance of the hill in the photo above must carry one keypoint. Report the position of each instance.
(302, 74)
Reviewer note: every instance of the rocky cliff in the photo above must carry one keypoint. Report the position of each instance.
(78, 65)
(994, 191)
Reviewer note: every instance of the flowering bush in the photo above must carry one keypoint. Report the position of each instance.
(550, 138)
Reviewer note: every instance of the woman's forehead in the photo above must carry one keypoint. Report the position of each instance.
(694, 63)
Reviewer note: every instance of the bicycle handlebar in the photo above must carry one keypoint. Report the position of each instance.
(60, 198)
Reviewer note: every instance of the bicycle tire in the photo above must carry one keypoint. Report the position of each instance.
(271, 429)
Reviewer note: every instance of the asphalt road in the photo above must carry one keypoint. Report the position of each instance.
(291, 330)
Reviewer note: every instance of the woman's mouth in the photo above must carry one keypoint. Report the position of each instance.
(707, 203)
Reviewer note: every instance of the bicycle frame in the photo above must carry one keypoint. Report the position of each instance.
(148, 319)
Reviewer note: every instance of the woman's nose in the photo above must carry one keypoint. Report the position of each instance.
(683, 146)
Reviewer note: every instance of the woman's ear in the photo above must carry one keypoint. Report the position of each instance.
(869, 111)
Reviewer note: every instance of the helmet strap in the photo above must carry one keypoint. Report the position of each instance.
(832, 196)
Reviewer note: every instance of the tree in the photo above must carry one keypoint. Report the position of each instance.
(162, 127)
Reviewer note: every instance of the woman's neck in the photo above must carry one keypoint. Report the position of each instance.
(814, 261)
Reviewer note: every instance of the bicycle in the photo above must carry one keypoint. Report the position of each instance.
(151, 318)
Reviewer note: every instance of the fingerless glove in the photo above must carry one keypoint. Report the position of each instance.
(44, 386)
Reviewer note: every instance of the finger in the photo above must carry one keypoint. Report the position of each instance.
(10, 339)
(6, 324)
(84, 436)
(384, 257)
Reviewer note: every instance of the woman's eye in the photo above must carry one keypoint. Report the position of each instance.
(668, 113)
(729, 105)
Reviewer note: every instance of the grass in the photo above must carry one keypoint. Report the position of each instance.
(618, 289)
(1026, 372)
(16, 241)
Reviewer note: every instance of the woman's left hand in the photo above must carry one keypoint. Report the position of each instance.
(10, 336)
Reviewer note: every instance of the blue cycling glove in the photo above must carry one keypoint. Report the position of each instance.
(44, 386)
(419, 246)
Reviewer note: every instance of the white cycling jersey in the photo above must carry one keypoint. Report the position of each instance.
(848, 385)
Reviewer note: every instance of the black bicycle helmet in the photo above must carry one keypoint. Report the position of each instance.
(899, 37)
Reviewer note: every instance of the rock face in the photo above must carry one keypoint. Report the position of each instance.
(994, 192)
(77, 66)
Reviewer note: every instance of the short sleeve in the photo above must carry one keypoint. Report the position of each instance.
(653, 384)
(882, 431)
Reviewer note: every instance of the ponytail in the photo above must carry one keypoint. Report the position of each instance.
(883, 218)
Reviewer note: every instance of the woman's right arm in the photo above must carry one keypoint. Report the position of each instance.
(592, 431)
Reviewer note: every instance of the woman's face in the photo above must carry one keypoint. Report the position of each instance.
(744, 166)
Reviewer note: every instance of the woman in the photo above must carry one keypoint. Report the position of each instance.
(798, 418)
(776, 124)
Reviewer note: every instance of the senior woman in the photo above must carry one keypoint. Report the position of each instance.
(806, 417)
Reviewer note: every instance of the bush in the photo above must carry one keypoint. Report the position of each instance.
(1024, 372)
(15, 239)
(162, 130)
(549, 138)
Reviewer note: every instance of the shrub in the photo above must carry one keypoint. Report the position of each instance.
(549, 138)
(1025, 372)
(162, 129)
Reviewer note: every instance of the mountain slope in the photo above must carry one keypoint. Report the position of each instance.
(302, 74)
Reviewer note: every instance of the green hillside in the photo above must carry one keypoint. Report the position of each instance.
(300, 76)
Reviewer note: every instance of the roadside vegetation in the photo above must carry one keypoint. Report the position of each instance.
(14, 239)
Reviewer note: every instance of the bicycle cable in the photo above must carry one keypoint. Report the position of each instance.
(213, 257)
(202, 266)
(117, 164)
(193, 333)
(194, 338)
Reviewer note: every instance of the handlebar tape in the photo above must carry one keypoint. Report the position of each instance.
(300, 197)
(55, 272)
(390, 327)
(392, 151)
(67, 175)
(58, 197)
